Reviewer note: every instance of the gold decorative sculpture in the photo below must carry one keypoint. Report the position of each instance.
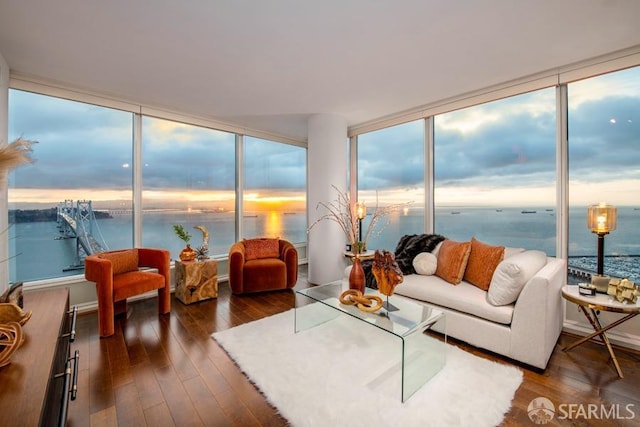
(203, 249)
(623, 290)
(369, 303)
(10, 312)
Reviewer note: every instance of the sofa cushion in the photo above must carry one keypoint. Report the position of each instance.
(425, 263)
(133, 283)
(483, 261)
(122, 261)
(261, 248)
(464, 298)
(452, 260)
(264, 274)
(509, 252)
(512, 274)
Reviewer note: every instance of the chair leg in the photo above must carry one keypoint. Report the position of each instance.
(164, 300)
(119, 307)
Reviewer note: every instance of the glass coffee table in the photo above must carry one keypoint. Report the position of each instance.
(421, 356)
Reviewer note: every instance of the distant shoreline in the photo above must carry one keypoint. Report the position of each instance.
(19, 216)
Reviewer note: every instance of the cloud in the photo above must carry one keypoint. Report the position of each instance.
(85, 146)
(509, 143)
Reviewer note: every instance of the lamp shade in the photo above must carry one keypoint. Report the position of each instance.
(361, 210)
(601, 218)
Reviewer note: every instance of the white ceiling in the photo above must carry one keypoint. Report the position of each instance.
(270, 64)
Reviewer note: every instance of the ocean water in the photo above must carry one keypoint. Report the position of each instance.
(37, 252)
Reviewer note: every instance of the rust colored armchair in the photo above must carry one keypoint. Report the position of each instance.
(118, 276)
(258, 265)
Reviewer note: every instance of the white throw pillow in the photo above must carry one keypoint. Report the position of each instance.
(436, 250)
(509, 252)
(512, 274)
(425, 263)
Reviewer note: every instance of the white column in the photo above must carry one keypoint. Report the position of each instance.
(326, 166)
(4, 135)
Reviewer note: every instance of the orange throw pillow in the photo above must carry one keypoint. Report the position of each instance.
(452, 260)
(483, 261)
(122, 261)
(261, 248)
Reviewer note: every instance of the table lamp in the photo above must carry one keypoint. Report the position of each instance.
(361, 213)
(601, 220)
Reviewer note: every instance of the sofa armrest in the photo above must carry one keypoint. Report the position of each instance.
(537, 316)
(97, 269)
(236, 267)
(289, 255)
(156, 258)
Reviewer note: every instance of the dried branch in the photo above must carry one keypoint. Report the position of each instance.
(342, 212)
(15, 154)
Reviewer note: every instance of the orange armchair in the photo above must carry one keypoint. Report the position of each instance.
(258, 265)
(118, 276)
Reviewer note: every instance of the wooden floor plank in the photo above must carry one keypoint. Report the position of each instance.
(166, 370)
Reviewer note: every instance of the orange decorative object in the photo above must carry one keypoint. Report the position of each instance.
(369, 303)
(188, 254)
(118, 277)
(262, 274)
(387, 272)
(356, 277)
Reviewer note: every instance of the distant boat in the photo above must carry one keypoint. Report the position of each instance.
(549, 210)
(498, 210)
(289, 213)
(525, 212)
(250, 216)
(455, 213)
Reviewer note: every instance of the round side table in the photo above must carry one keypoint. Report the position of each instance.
(364, 255)
(603, 302)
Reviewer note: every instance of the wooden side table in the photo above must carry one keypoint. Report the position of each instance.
(602, 302)
(196, 280)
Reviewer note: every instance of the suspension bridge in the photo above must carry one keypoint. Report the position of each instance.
(77, 221)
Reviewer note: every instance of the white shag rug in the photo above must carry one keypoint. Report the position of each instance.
(330, 375)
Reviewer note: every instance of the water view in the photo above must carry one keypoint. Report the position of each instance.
(40, 253)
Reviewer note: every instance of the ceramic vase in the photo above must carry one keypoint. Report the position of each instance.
(188, 254)
(356, 277)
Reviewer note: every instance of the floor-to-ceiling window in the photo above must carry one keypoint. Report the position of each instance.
(188, 178)
(78, 196)
(275, 182)
(391, 167)
(83, 166)
(495, 172)
(604, 166)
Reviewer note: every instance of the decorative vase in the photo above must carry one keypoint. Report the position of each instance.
(356, 277)
(188, 254)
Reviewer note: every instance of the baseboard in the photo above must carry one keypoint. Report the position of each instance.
(621, 339)
(92, 306)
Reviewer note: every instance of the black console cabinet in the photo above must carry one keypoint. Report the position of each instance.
(36, 387)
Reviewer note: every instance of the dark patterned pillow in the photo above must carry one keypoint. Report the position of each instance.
(411, 245)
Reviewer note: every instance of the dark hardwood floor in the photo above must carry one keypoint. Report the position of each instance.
(166, 370)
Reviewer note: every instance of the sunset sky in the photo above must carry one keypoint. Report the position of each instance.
(493, 152)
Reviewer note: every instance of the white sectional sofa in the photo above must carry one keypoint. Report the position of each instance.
(526, 331)
(520, 316)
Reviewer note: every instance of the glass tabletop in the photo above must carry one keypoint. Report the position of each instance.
(409, 318)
